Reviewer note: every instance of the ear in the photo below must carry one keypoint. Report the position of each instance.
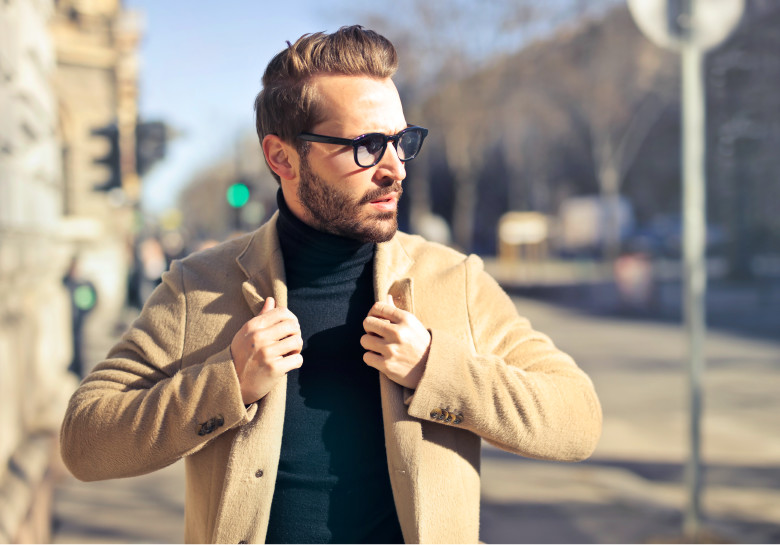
(280, 156)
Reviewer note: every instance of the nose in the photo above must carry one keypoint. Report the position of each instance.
(391, 165)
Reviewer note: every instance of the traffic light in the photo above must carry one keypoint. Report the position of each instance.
(151, 141)
(237, 195)
(111, 159)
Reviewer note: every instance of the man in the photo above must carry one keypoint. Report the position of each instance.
(83, 299)
(326, 378)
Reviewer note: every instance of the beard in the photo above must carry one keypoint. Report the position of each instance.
(336, 212)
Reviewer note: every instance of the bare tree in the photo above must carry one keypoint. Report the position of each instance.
(445, 47)
(616, 98)
(441, 43)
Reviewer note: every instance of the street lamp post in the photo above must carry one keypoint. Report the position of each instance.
(691, 27)
(694, 264)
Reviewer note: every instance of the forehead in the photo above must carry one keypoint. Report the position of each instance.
(358, 104)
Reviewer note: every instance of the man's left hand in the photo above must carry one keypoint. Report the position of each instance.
(397, 343)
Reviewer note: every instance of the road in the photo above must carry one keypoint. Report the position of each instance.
(631, 491)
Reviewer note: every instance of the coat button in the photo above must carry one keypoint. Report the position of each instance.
(436, 413)
(209, 426)
(259, 473)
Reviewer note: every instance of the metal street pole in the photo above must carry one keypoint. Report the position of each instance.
(694, 243)
(691, 27)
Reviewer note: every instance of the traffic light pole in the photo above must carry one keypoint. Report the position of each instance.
(691, 27)
(694, 264)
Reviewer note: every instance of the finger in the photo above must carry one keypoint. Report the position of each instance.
(268, 304)
(379, 327)
(290, 345)
(285, 364)
(388, 312)
(290, 362)
(271, 317)
(278, 331)
(373, 343)
(374, 360)
(271, 354)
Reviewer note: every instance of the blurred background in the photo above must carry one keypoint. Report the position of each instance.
(127, 140)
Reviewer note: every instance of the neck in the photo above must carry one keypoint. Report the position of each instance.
(304, 246)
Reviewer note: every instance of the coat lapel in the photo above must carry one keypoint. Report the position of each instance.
(403, 433)
(262, 263)
(257, 445)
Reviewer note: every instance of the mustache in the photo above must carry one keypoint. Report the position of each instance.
(380, 192)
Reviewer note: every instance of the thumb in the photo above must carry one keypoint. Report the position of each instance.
(268, 304)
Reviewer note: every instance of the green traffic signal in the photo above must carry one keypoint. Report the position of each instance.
(84, 297)
(237, 195)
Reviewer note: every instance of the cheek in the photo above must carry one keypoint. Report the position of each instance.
(339, 167)
(343, 174)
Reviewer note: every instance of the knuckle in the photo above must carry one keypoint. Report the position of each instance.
(265, 352)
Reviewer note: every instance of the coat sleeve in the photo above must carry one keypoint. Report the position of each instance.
(508, 384)
(139, 411)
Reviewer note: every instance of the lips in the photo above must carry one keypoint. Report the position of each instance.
(392, 191)
(387, 202)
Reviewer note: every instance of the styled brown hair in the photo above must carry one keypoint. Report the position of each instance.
(288, 104)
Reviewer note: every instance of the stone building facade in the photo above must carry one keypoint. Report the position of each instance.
(96, 86)
(34, 308)
(66, 67)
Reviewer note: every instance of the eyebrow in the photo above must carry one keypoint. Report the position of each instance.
(383, 132)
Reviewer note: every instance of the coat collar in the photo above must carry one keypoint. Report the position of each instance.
(391, 267)
(262, 263)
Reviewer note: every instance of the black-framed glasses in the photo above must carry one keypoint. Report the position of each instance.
(370, 148)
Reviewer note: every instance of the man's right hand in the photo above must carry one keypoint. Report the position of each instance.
(265, 349)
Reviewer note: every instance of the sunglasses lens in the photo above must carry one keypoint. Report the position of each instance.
(370, 149)
(409, 144)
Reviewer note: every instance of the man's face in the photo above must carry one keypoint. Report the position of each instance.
(332, 193)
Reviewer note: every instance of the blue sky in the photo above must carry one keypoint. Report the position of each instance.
(201, 65)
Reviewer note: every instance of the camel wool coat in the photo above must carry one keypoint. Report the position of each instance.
(169, 390)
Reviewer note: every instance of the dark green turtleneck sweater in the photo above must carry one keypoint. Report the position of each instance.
(333, 484)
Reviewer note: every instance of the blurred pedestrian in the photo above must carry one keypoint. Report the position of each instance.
(634, 281)
(327, 378)
(153, 264)
(83, 298)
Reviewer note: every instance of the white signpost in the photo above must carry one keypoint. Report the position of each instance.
(691, 27)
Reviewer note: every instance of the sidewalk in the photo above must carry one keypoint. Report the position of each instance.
(146, 509)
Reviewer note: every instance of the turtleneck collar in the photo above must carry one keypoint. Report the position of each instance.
(306, 248)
